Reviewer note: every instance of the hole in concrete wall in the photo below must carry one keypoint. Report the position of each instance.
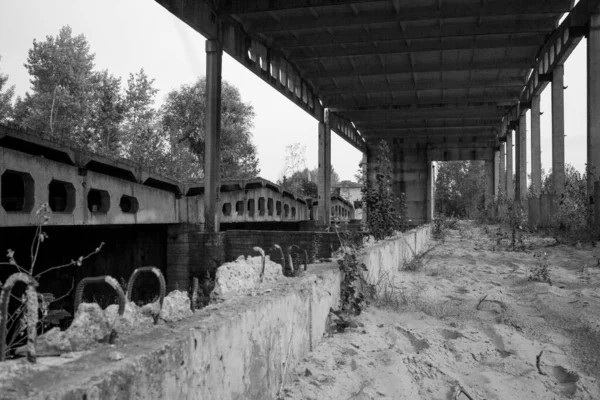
(261, 206)
(18, 192)
(129, 204)
(61, 196)
(239, 208)
(98, 201)
(293, 212)
(286, 211)
(270, 206)
(227, 209)
(251, 207)
(278, 207)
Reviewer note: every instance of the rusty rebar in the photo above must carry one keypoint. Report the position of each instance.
(32, 313)
(194, 299)
(262, 255)
(109, 280)
(289, 250)
(305, 255)
(282, 257)
(161, 281)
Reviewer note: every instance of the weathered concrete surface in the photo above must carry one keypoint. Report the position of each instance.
(386, 257)
(243, 275)
(233, 350)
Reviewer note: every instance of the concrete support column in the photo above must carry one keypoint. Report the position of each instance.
(324, 173)
(536, 154)
(522, 156)
(496, 173)
(212, 128)
(558, 130)
(431, 192)
(593, 97)
(510, 191)
(489, 183)
(503, 168)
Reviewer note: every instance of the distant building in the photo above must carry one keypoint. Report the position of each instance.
(350, 191)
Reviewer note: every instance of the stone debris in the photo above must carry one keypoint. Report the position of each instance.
(132, 317)
(176, 306)
(89, 327)
(115, 356)
(243, 275)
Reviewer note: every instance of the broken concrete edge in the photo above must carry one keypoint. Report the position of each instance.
(237, 349)
(387, 256)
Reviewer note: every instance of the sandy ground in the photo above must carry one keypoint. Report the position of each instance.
(430, 337)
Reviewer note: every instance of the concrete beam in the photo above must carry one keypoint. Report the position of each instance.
(558, 130)
(267, 63)
(330, 91)
(454, 66)
(346, 130)
(324, 173)
(212, 145)
(393, 47)
(344, 102)
(380, 114)
(559, 46)
(359, 35)
(341, 18)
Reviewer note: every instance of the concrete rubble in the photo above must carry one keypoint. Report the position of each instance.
(243, 276)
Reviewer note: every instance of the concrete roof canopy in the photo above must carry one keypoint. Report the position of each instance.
(396, 69)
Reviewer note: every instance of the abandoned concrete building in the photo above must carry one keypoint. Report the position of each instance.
(438, 80)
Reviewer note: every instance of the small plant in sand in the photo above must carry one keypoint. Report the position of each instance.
(385, 293)
(17, 318)
(415, 264)
(540, 272)
(353, 285)
(440, 228)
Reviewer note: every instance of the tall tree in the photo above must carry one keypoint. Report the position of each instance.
(459, 189)
(61, 78)
(107, 113)
(183, 117)
(6, 95)
(144, 140)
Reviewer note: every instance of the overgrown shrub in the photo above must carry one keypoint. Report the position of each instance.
(386, 212)
(17, 317)
(540, 272)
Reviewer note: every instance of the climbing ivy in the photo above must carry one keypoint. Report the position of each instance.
(386, 212)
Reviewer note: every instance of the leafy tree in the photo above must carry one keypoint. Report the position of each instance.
(107, 114)
(574, 212)
(144, 140)
(61, 79)
(6, 95)
(183, 118)
(459, 188)
(386, 212)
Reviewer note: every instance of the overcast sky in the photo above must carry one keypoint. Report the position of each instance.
(127, 35)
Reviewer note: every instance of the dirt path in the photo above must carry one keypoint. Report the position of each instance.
(433, 337)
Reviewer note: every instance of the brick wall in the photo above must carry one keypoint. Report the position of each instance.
(239, 243)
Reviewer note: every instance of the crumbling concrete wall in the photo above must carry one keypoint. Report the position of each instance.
(237, 349)
(387, 256)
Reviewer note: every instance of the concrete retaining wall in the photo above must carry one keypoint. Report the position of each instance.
(386, 257)
(232, 350)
